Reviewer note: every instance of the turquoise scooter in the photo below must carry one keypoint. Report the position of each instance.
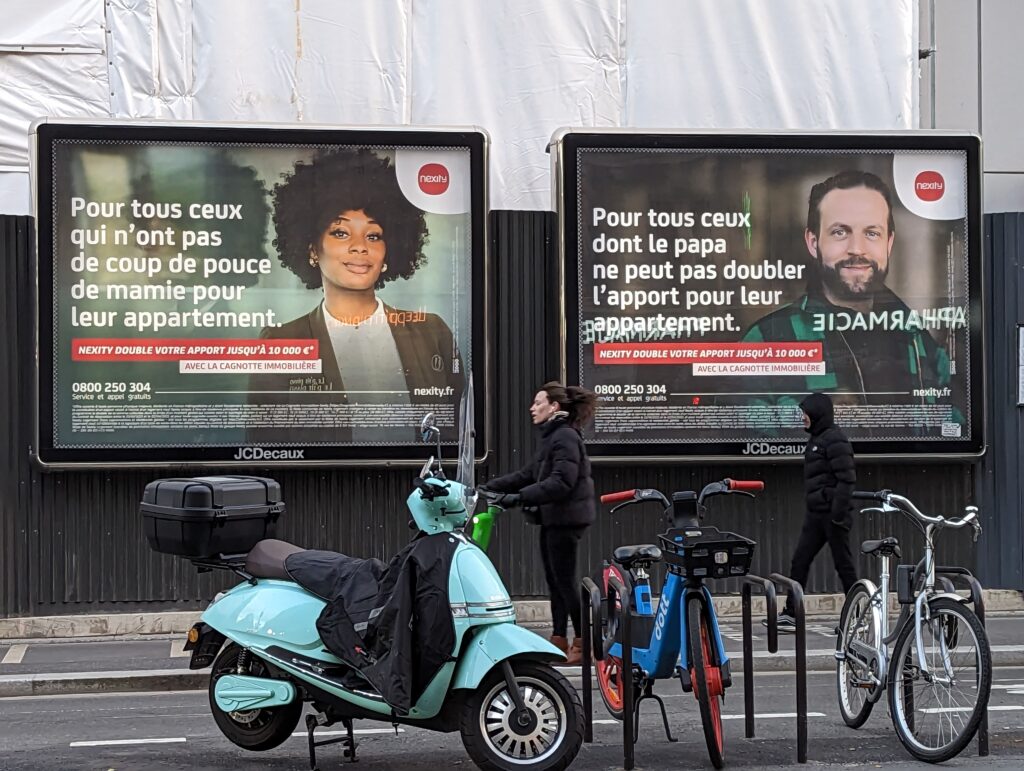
(497, 686)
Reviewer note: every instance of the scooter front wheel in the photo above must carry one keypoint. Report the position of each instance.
(252, 729)
(546, 738)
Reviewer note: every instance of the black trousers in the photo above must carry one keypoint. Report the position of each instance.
(817, 531)
(558, 549)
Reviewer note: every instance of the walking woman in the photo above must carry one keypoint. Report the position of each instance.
(557, 482)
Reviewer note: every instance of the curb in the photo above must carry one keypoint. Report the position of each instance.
(527, 612)
(818, 660)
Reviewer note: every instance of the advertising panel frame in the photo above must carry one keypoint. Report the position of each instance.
(563, 149)
(44, 132)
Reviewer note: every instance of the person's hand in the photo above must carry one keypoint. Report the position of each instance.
(507, 500)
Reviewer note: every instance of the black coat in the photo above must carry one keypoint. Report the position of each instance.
(829, 474)
(391, 623)
(558, 480)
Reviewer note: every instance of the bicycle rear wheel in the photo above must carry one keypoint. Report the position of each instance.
(706, 677)
(854, 686)
(937, 714)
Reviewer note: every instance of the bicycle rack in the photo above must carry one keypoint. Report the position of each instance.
(978, 600)
(590, 604)
(593, 648)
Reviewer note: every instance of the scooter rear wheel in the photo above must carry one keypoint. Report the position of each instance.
(253, 729)
(547, 738)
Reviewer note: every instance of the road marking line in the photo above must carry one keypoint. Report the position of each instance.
(356, 731)
(177, 652)
(773, 715)
(606, 721)
(114, 742)
(993, 708)
(14, 654)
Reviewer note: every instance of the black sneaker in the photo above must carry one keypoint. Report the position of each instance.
(784, 622)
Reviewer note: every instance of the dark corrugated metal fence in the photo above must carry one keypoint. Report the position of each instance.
(71, 542)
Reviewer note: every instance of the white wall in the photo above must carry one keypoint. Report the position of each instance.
(974, 82)
(519, 68)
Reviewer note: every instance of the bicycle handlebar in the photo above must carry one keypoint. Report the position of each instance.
(618, 497)
(907, 507)
(644, 495)
(745, 486)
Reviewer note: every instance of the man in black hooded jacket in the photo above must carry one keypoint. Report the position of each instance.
(829, 480)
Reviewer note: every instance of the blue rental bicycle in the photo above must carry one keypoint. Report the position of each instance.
(683, 635)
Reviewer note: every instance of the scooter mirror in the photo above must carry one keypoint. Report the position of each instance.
(427, 427)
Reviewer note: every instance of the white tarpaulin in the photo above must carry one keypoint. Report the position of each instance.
(519, 68)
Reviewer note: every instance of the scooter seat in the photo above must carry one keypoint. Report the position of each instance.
(266, 560)
(627, 556)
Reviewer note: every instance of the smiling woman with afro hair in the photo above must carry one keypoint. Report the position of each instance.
(313, 195)
(343, 224)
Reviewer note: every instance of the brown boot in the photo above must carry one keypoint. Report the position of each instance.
(562, 643)
(575, 654)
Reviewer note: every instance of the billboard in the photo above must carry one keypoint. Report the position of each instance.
(711, 281)
(231, 294)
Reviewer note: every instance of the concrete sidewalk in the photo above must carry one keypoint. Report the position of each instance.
(527, 612)
(80, 655)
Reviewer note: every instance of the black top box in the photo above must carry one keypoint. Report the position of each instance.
(202, 517)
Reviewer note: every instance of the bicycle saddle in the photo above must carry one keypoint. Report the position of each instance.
(886, 547)
(627, 556)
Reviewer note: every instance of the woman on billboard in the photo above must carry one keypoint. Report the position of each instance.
(344, 225)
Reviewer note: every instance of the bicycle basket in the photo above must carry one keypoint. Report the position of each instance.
(706, 552)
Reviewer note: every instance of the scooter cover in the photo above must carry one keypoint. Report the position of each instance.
(394, 626)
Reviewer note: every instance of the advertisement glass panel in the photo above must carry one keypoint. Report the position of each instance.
(255, 294)
(713, 281)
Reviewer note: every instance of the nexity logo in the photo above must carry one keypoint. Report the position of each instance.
(433, 178)
(929, 186)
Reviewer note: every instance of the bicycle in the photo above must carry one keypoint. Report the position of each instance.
(923, 676)
(684, 640)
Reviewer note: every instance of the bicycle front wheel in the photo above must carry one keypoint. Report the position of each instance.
(856, 683)
(937, 712)
(706, 677)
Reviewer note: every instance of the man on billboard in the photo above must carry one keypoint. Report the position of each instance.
(873, 349)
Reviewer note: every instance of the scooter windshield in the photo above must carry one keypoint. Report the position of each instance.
(466, 473)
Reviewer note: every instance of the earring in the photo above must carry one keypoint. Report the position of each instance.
(313, 259)
(384, 268)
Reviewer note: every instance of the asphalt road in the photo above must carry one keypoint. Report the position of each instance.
(173, 730)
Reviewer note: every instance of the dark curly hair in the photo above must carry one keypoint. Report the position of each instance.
(345, 179)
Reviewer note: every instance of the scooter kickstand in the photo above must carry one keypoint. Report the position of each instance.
(349, 740)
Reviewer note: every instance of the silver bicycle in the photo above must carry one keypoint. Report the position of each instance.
(940, 672)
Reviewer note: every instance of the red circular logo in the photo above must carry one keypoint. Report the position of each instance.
(433, 178)
(929, 186)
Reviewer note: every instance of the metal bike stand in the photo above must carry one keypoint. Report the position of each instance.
(593, 648)
(750, 581)
(796, 593)
(978, 600)
(617, 593)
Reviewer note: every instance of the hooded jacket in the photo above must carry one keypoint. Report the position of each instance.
(558, 480)
(829, 475)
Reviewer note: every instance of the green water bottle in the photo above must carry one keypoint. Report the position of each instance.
(483, 523)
